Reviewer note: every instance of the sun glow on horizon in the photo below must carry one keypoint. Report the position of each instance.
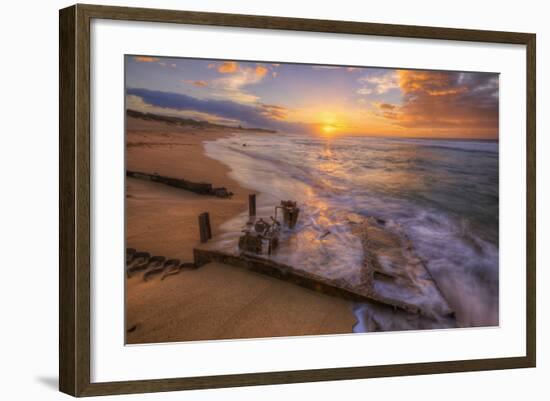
(330, 123)
(328, 130)
(318, 100)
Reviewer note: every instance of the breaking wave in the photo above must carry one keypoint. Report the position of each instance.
(443, 193)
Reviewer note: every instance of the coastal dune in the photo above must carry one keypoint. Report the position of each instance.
(215, 301)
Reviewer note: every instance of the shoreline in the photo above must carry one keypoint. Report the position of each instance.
(155, 153)
(216, 301)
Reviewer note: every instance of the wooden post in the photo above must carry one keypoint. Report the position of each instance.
(208, 227)
(204, 227)
(252, 205)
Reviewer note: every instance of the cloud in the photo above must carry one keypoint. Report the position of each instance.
(334, 67)
(326, 67)
(378, 83)
(149, 59)
(259, 115)
(387, 110)
(227, 67)
(173, 65)
(465, 103)
(261, 71)
(235, 78)
(146, 59)
(385, 106)
(274, 111)
(433, 83)
(199, 83)
(234, 86)
(137, 103)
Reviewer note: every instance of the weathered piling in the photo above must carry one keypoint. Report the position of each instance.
(208, 227)
(252, 205)
(205, 230)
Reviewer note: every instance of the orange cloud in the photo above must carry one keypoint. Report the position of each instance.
(146, 59)
(434, 83)
(199, 83)
(389, 111)
(446, 104)
(261, 71)
(228, 67)
(446, 92)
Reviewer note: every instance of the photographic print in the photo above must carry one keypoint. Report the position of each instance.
(269, 199)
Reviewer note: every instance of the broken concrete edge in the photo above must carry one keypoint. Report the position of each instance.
(372, 264)
(425, 265)
(335, 288)
(200, 188)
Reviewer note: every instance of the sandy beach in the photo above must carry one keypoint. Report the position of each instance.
(163, 220)
(216, 301)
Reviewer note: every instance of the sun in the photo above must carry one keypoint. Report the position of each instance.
(329, 123)
(328, 129)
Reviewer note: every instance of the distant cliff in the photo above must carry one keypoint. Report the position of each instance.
(190, 122)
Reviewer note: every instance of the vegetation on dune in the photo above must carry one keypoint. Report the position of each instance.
(189, 122)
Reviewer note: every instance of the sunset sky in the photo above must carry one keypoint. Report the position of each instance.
(322, 100)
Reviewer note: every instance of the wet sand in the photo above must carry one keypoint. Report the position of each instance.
(216, 301)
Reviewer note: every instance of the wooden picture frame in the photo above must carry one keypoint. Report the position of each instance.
(74, 204)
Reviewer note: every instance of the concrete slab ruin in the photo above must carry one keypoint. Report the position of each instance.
(392, 275)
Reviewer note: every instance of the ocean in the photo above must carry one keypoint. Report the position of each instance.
(444, 194)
